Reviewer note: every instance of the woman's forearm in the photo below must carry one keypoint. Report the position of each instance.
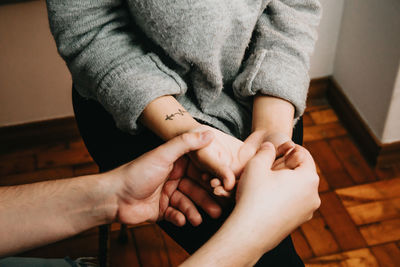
(272, 115)
(235, 244)
(37, 214)
(166, 117)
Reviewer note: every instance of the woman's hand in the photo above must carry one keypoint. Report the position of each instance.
(287, 197)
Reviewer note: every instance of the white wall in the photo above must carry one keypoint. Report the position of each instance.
(367, 62)
(35, 84)
(323, 58)
(391, 132)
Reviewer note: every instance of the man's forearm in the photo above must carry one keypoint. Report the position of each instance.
(36, 214)
(166, 117)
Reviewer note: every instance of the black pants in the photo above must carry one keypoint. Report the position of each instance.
(111, 148)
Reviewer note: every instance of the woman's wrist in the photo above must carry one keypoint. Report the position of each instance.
(244, 249)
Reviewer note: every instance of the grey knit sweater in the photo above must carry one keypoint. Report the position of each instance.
(212, 55)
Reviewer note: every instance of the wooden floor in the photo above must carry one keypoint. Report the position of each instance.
(358, 223)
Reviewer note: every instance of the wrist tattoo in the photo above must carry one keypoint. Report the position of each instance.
(171, 116)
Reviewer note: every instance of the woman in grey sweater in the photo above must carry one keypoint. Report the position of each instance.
(146, 71)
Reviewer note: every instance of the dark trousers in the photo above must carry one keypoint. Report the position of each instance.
(111, 148)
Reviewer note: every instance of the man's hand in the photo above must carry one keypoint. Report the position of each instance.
(148, 186)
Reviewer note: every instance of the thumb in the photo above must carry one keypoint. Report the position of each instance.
(265, 156)
(183, 144)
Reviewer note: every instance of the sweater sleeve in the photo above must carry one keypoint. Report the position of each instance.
(283, 40)
(107, 58)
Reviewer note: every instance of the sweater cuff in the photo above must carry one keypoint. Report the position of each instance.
(276, 74)
(128, 89)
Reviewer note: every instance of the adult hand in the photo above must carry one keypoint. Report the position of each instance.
(150, 187)
(280, 199)
(270, 204)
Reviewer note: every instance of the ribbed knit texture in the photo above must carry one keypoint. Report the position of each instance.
(212, 55)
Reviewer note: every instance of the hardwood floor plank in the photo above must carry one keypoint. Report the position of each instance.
(151, 246)
(323, 184)
(37, 176)
(123, 254)
(301, 245)
(355, 258)
(85, 169)
(388, 255)
(324, 116)
(340, 223)
(317, 104)
(387, 172)
(63, 158)
(362, 194)
(16, 164)
(323, 131)
(78, 246)
(375, 211)
(330, 166)
(352, 160)
(319, 237)
(176, 253)
(381, 232)
(307, 120)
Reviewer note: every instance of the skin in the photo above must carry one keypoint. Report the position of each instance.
(137, 192)
(226, 156)
(294, 194)
(145, 189)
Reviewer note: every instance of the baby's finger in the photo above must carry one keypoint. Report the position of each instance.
(227, 176)
(215, 182)
(221, 192)
(186, 206)
(174, 216)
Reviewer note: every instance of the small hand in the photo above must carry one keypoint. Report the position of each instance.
(153, 186)
(225, 157)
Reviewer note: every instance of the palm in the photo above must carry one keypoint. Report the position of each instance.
(149, 196)
(225, 151)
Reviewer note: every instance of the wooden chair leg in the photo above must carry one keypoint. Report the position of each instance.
(104, 245)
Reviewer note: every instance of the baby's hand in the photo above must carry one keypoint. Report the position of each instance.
(225, 158)
(288, 155)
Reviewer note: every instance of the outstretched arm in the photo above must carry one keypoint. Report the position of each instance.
(143, 190)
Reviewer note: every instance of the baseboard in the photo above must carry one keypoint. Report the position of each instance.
(37, 133)
(376, 152)
(319, 87)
